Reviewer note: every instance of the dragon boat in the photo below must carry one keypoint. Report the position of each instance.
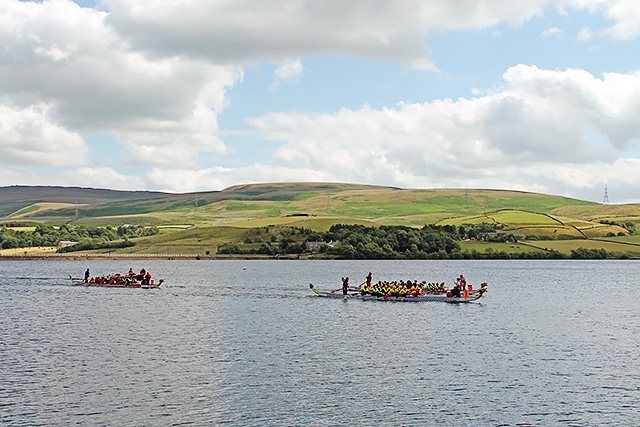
(136, 284)
(473, 295)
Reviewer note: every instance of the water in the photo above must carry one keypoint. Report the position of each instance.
(246, 343)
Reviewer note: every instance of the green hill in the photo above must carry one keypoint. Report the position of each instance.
(191, 221)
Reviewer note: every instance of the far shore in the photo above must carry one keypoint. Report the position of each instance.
(69, 256)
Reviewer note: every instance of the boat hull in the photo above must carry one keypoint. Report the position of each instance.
(432, 298)
(116, 285)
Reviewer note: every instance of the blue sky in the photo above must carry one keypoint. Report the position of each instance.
(197, 95)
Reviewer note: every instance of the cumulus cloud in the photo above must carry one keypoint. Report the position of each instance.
(28, 138)
(167, 141)
(96, 177)
(62, 55)
(180, 180)
(101, 177)
(625, 15)
(254, 30)
(540, 122)
(290, 70)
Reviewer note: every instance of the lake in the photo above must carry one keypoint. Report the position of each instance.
(246, 343)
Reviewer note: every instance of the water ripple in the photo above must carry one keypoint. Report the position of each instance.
(219, 344)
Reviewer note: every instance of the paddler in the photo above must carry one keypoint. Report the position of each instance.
(146, 280)
(461, 282)
(87, 274)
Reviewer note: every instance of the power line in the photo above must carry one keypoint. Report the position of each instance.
(605, 199)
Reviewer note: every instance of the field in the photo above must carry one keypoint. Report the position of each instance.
(40, 208)
(510, 248)
(566, 246)
(41, 250)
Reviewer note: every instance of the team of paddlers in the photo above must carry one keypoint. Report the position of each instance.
(132, 278)
(407, 288)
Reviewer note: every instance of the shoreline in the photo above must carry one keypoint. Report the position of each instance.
(195, 257)
(166, 257)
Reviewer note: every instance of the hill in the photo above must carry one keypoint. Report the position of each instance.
(254, 205)
(188, 222)
(35, 203)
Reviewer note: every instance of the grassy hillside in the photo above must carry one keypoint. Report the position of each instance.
(195, 221)
(16, 198)
(92, 203)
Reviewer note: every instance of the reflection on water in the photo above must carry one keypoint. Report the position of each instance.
(247, 343)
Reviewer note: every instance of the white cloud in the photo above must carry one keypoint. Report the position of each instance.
(625, 15)
(540, 128)
(160, 141)
(254, 30)
(585, 34)
(554, 31)
(180, 180)
(28, 137)
(61, 55)
(102, 177)
(290, 70)
(96, 177)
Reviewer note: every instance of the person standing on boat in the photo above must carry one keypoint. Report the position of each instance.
(87, 274)
(146, 279)
(345, 285)
(367, 284)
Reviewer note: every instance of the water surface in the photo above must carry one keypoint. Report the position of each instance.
(247, 343)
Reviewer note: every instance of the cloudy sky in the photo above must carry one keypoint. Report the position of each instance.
(193, 95)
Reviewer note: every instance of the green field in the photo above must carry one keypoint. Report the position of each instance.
(566, 246)
(510, 248)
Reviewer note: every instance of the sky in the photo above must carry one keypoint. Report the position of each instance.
(199, 95)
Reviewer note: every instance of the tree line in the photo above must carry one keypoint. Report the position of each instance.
(353, 241)
(87, 237)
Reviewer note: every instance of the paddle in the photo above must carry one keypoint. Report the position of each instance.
(356, 288)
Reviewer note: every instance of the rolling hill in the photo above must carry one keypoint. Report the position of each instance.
(253, 204)
(189, 220)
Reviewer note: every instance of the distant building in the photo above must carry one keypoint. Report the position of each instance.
(497, 237)
(314, 247)
(65, 243)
